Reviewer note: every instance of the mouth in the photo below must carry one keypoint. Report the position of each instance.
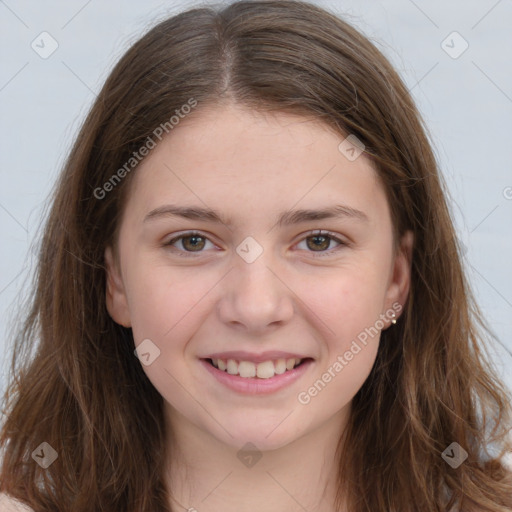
(255, 378)
(261, 370)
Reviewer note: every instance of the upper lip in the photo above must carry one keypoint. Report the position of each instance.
(240, 355)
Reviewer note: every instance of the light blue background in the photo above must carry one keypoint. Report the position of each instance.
(467, 103)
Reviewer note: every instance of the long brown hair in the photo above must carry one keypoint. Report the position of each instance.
(76, 383)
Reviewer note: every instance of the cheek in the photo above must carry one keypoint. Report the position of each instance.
(337, 384)
(347, 301)
(166, 306)
(162, 299)
(349, 312)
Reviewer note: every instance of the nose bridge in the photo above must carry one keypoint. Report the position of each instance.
(255, 296)
(256, 279)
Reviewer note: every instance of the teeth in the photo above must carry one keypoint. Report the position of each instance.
(264, 370)
(248, 369)
(280, 366)
(232, 367)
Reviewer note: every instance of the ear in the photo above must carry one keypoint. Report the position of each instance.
(398, 288)
(117, 304)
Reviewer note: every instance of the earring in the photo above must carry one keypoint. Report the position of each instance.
(393, 318)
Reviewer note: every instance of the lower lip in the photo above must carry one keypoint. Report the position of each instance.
(255, 385)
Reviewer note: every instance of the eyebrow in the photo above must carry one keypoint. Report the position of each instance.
(286, 218)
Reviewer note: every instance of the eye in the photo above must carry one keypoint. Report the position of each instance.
(193, 242)
(320, 241)
(189, 242)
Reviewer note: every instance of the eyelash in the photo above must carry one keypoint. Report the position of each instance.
(311, 234)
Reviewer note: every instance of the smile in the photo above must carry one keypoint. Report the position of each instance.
(263, 370)
(256, 378)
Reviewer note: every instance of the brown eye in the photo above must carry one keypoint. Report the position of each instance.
(319, 242)
(193, 243)
(188, 243)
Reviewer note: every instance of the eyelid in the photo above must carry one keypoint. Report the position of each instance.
(304, 236)
(331, 235)
(186, 234)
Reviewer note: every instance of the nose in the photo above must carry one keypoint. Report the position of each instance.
(255, 297)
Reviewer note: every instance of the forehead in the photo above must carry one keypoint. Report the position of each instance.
(242, 162)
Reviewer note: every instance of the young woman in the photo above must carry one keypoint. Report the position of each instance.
(249, 294)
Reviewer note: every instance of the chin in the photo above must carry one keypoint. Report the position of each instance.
(264, 434)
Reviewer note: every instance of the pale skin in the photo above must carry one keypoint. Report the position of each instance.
(250, 167)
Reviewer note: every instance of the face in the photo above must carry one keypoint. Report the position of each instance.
(246, 306)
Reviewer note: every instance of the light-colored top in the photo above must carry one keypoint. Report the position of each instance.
(8, 504)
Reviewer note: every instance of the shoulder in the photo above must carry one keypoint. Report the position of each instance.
(8, 504)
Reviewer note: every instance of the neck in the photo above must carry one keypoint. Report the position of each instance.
(208, 475)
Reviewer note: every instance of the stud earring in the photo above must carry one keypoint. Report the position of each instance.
(393, 318)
